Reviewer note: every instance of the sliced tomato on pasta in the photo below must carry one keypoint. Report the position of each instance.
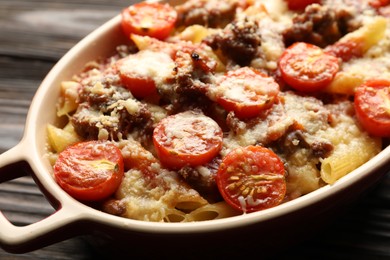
(372, 105)
(379, 3)
(141, 72)
(307, 68)
(300, 4)
(346, 50)
(246, 91)
(149, 19)
(252, 179)
(187, 138)
(90, 170)
(137, 157)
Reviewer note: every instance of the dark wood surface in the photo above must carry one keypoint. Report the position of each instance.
(34, 34)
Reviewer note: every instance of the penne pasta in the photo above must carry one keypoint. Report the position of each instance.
(60, 138)
(69, 95)
(355, 72)
(211, 211)
(352, 149)
(346, 158)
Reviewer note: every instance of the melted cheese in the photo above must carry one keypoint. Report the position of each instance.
(149, 64)
(188, 134)
(152, 193)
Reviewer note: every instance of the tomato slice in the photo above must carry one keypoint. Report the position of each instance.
(251, 179)
(372, 105)
(89, 171)
(300, 4)
(143, 71)
(149, 19)
(188, 138)
(378, 3)
(246, 91)
(346, 50)
(307, 68)
(137, 157)
(381, 6)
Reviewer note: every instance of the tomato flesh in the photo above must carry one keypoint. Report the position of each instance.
(346, 50)
(187, 138)
(378, 3)
(247, 92)
(143, 71)
(89, 171)
(251, 179)
(372, 105)
(307, 68)
(300, 4)
(149, 19)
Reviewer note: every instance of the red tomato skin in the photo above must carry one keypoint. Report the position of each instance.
(372, 106)
(264, 88)
(143, 71)
(234, 178)
(139, 87)
(346, 50)
(378, 3)
(300, 4)
(88, 183)
(149, 19)
(306, 68)
(172, 156)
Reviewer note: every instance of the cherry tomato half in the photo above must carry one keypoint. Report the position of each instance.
(187, 138)
(89, 171)
(381, 6)
(246, 91)
(372, 105)
(138, 158)
(346, 50)
(149, 19)
(300, 4)
(307, 68)
(251, 179)
(378, 3)
(141, 72)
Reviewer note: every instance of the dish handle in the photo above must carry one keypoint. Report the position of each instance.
(52, 229)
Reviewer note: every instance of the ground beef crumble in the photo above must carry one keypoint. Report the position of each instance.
(239, 41)
(318, 25)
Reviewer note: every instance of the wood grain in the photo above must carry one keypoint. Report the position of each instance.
(34, 35)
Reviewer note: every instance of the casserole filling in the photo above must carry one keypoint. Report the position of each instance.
(230, 107)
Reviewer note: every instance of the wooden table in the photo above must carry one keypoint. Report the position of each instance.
(34, 34)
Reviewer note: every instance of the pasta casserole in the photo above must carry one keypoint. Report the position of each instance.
(213, 109)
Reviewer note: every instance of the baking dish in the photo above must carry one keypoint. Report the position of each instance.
(284, 224)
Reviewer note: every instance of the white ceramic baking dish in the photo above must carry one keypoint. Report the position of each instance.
(276, 227)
